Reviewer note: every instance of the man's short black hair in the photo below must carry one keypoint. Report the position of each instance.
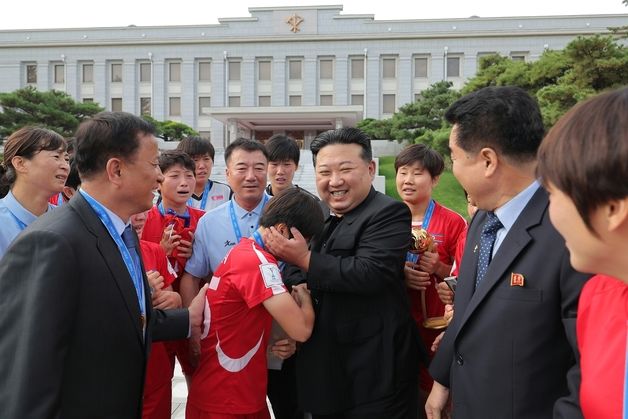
(167, 159)
(246, 145)
(197, 146)
(282, 148)
(294, 207)
(504, 118)
(108, 135)
(343, 136)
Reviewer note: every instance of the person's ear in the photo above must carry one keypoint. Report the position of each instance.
(283, 229)
(372, 169)
(435, 180)
(19, 164)
(69, 191)
(616, 214)
(113, 169)
(490, 159)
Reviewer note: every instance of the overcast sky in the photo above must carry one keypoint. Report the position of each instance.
(31, 14)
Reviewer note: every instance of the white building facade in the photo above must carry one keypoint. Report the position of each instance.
(295, 70)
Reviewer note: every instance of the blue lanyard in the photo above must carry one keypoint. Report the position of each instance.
(428, 215)
(208, 187)
(185, 217)
(258, 238)
(234, 219)
(260, 241)
(134, 270)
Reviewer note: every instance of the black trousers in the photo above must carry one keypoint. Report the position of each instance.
(282, 390)
(403, 404)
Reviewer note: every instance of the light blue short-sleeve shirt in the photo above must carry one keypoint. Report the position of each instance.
(13, 218)
(215, 236)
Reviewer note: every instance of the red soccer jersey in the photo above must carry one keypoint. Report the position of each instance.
(157, 223)
(446, 226)
(601, 330)
(232, 374)
(158, 383)
(155, 259)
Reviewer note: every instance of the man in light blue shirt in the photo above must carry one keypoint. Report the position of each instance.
(221, 228)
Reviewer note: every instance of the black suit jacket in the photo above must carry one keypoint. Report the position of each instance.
(510, 351)
(364, 345)
(71, 342)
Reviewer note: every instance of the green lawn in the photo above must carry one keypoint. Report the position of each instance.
(448, 192)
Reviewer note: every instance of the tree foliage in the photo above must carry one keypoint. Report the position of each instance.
(53, 109)
(559, 79)
(170, 130)
(426, 114)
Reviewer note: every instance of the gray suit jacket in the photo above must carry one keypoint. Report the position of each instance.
(510, 351)
(71, 341)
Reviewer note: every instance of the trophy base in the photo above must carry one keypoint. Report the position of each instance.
(435, 323)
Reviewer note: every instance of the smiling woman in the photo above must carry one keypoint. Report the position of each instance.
(34, 168)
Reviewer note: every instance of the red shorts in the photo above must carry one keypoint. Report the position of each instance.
(181, 349)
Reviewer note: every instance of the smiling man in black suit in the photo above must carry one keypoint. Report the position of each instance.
(363, 356)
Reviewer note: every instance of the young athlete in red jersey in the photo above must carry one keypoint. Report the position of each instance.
(245, 293)
(172, 223)
(157, 401)
(418, 170)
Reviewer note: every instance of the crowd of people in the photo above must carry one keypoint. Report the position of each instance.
(117, 260)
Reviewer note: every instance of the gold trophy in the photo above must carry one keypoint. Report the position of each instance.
(422, 241)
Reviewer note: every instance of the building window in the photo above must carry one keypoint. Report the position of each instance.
(263, 101)
(294, 100)
(174, 72)
(295, 70)
(204, 103)
(389, 68)
(88, 100)
(327, 100)
(326, 69)
(145, 105)
(263, 70)
(59, 76)
(145, 72)
(234, 101)
(357, 68)
(116, 104)
(88, 73)
(518, 57)
(174, 107)
(388, 104)
(204, 71)
(417, 97)
(453, 66)
(234, 70)
(420, 67)
(31, 73)
(116, 73)
(357, 100)
(205, 134)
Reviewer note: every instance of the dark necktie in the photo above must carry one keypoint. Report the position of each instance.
(129, 240)
(489, 232)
